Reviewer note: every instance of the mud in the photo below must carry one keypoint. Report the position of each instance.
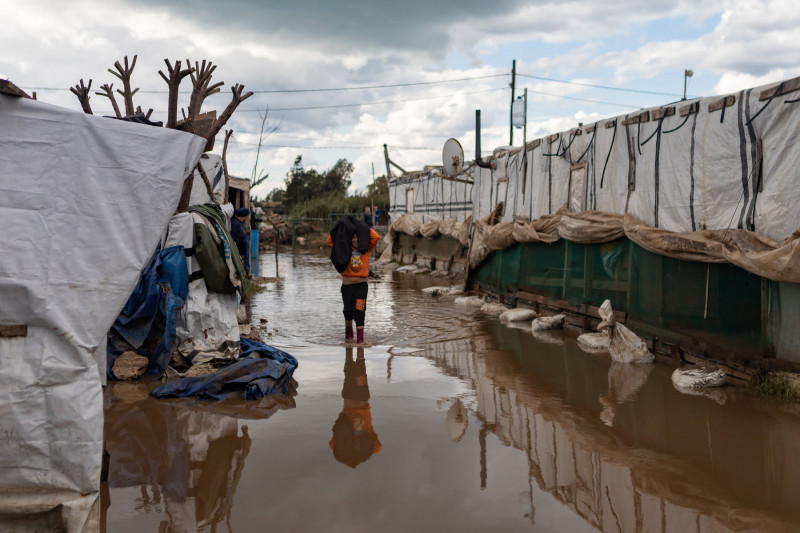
(448, 420)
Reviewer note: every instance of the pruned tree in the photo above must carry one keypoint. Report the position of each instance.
(108, 92)
(202, 88)
(82, 92)
(201, 78)
(124, 74)
(174, 79)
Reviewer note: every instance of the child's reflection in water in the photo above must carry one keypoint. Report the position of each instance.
(354, 441)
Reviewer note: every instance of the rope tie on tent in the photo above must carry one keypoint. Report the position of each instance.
(605, 166)
(681, 124)
(572, 140)
(771, 98)
(588, 146)
(639, 136)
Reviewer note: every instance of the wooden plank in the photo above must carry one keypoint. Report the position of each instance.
(638, 118)
(7, 87)
(727, 101)
(590, 129)
(533, 144)
(688, 109)
(552, 138)
(657, 114)
(14, 331)
(788, 87)
(577, 132)
(611, 123)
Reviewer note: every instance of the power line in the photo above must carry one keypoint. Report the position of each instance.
(329, 89)
(334, 106)
(583, 99)
(640, 91)
(376, 147)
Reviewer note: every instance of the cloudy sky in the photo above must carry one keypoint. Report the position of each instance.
(418, 52)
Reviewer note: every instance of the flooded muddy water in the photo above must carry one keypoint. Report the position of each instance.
(447, 421)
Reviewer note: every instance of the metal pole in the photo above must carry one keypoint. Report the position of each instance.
(525, 124)
(684, 84)
(511, 110)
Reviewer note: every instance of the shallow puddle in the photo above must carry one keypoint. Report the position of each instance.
(447, 421)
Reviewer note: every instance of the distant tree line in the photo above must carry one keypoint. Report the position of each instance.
(310, 193)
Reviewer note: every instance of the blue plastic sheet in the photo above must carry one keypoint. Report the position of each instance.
(259, 371)
(146, 324)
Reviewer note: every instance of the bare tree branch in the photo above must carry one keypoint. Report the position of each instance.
(207, 182)
(200, 86)
(228, 134)
(109, 93)
(176, 75)
(124, 74)
(236, 99)
(82, 92)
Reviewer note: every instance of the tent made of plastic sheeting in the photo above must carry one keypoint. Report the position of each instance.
(206, 323)
(215, 172)
(259, 371)
(710, 179)
(83, 202)
(430, 196)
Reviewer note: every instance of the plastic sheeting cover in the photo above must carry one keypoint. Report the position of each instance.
(83, 202)
(259, 371)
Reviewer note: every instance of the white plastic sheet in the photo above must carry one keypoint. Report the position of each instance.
(83, 202)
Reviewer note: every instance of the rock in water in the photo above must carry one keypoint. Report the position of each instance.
(548, 322)
(129, 365)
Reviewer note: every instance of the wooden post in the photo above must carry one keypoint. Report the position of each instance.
(388, 167)
(511, 108)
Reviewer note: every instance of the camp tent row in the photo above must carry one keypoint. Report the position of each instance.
(710, 179)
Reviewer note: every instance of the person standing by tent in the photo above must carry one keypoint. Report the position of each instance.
(352, 241)
(240, 232)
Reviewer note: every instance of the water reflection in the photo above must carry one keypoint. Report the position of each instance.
(184, 456)
(354, 439)
(660, 468)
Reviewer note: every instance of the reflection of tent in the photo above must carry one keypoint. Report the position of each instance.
(83, 202)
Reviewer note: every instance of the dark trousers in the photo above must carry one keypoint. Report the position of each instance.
(354, 298)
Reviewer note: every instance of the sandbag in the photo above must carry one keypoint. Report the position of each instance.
(463, 236)
(500, 236)
(470, 301)
(518, 315)
(407, 224)
(625, 345)
(595, 341)
(493, 308)
(548, 322)
(543, 229)
(450, 227)
(430, 230)
(698, 377)
(438, 291)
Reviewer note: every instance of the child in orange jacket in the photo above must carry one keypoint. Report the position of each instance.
(355, 287)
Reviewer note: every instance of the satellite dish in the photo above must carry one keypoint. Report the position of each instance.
(453, 157)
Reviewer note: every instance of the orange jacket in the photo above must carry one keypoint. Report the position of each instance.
(359, 264)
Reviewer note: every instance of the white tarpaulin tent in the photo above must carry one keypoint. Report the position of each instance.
(709, 179)
(83, 202)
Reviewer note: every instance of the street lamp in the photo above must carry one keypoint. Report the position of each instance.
(688, 73)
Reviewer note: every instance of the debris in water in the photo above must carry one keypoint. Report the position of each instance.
(438, 291)
(129, 365)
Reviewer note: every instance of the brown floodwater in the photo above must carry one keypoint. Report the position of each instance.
(447, 421)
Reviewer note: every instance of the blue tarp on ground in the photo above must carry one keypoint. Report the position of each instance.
(259, 371)
(146, 324)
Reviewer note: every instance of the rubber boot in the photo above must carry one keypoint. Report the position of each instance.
(348, 332)
(360, 335)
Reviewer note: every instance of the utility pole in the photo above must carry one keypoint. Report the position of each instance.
(525, 126)
(388, 168)
(510, 111)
